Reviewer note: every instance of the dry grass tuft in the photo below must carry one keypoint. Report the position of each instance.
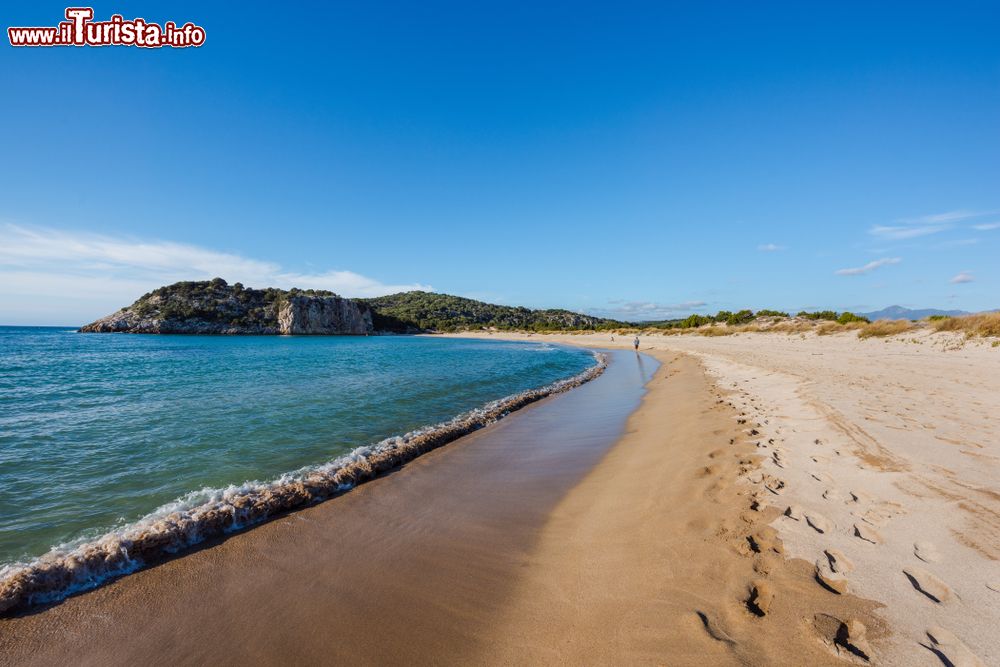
(882, 328)
(792, 327)
(985, 324)
(716, 330)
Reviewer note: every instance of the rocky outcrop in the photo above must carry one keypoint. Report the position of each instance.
(323, 315)
(215, 307)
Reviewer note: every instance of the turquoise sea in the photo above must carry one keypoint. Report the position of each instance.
(100, 430)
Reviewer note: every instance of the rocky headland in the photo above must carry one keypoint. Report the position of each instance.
(216, 307)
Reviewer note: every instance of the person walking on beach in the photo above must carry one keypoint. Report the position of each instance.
(635, 343)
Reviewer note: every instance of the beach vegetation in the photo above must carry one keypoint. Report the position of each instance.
(982, 324)
(847, 318)
(883, 328)
(831, 315)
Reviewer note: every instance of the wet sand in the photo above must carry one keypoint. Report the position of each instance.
(548, 538)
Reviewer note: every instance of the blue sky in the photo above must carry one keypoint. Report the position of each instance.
(635, 160)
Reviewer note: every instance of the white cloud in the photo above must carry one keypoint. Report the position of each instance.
(770, 247)
(57, 277)
(947, 217)
(909, 228)
(902, 232)
(869, 267)
(962, 277)
(987, 226)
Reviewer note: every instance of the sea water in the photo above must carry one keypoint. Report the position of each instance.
(98, 431)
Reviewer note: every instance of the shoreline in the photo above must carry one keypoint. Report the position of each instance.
(400, 547)
(165, 534)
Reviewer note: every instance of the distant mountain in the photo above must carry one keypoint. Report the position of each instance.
(429, 311)
(900, 313)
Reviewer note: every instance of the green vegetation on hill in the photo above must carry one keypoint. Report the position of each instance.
(217, 301)
(428, 311)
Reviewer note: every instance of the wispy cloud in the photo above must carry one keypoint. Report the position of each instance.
(903, 232)
(869, 267)
(987, 226)
(75, 277)
(946, 217)
(770, 247)
(962, 277)
(909, 228)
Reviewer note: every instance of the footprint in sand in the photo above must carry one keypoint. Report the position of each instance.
(761, 597)
(819, 522)
(926, 551)
(860, 497)
(714, 627)
(993, 586)
(794, 512)
(773, 484)
(951, 649)
(880, 513)
(839, 563)
(834, 581)
(928, 584)
(822, 477)
(765, 539)
(853, 635)
(831, 494)
(867, 533)
(875, 518)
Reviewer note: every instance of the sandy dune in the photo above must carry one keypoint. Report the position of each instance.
(886, 455)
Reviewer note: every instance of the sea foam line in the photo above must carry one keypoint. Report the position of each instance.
(209, 513)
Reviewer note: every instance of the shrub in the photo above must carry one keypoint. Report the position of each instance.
(846, 318)
(820, 315)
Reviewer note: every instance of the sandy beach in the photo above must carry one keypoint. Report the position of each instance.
(595, 528)
(885, 451)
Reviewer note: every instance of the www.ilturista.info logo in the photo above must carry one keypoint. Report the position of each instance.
(79, 29)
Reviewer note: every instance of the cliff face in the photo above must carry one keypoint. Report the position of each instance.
(323, 315)
(215, 307)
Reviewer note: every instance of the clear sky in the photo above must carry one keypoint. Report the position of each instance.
(636, 160)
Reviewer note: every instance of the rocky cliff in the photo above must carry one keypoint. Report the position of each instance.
(215, 307)
(323, 315)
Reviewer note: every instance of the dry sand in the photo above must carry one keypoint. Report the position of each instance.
(887, 452)
(530, 542)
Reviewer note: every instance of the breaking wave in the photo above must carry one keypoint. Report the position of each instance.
(208, 513)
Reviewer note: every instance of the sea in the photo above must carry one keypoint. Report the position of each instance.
(100, 432)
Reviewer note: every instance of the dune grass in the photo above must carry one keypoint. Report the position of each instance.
(882, 328)
(983, 325)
